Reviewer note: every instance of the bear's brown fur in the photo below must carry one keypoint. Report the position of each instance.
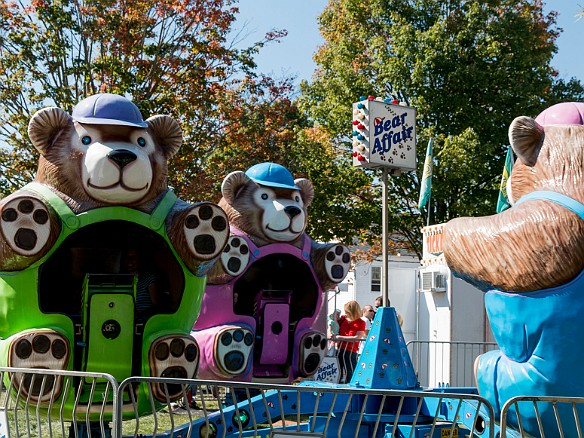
(537, 244)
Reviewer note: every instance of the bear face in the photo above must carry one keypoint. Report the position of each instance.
(93, 166)
(267, 213)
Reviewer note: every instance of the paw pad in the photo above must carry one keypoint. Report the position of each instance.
(233, 348)
(174, 357)
(206, 230)
(235, 256)
(25, 224)
(338, 261)
(312, 350)
(40, 349)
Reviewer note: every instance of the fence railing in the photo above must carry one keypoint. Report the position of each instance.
(542, 416)
(100, 407)
(46, 403)
(446, 363)
(56, 403)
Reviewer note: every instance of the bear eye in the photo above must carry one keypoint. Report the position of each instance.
(264, 196)
(141, 141)
(86, 139)
(297, 198)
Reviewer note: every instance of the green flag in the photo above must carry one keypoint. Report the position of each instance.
(503, 202)
(426, 187)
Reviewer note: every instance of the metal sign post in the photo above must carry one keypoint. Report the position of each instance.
(384, 136)
(384, 238)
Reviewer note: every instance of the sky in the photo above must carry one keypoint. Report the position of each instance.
(293, 56)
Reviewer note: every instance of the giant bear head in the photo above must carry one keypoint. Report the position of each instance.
(105, 153)
(538, 243)
(267, 203)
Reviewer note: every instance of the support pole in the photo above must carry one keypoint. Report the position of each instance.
(384, 236)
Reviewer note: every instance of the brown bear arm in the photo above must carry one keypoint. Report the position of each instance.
(532, 246)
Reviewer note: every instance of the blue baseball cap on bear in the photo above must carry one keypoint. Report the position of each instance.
(108, 109)
(272, 175)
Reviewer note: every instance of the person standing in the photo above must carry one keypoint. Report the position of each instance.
(368, 315)
(379, 303)
(351, 332)
(333, 330)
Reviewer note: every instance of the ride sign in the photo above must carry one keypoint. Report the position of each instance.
(384, 134)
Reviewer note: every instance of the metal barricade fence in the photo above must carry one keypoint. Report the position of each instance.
(42, 402)
(45, 403)
(542, 416)
(264, 410)
(446, 363)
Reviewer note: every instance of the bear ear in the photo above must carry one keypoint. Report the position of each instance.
(526, 137)
(167, 133)
(306, 190)
(232, 184)
(46, 125)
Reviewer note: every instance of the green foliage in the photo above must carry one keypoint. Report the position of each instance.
(468, 67)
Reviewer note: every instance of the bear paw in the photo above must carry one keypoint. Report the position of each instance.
(25, 224)
(233, 349)
(337, 262)
(174, 357)
(312, 349)
(206, 230)
(39, 349)
(235, 256)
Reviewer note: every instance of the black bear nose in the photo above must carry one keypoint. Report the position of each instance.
(292, 211)
(122, 157)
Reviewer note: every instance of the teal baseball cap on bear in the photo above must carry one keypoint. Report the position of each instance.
(108, 109)
(272, 175)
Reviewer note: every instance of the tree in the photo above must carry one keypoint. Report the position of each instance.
(468, 67)
(171, 56)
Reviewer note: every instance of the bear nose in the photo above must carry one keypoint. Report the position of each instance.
(292, 211)
(122, 157)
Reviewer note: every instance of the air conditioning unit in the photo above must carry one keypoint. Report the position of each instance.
(432, 281)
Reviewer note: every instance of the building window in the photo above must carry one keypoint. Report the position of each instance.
(375, 278)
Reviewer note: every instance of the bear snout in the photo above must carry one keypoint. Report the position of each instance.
(122, 157)
(292, 211)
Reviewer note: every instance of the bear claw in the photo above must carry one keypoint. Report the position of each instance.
(25, 225)
(206, 230)
(312, 350)
(40, 349)
(337, 263)
(173, 357)
(233, 347)
(235, 256)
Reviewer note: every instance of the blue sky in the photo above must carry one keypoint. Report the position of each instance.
(293, 56)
